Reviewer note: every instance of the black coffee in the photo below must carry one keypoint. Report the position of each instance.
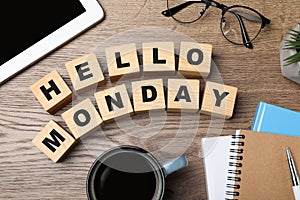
(126, 176)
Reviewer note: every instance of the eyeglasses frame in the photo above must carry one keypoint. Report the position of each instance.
(246, 41)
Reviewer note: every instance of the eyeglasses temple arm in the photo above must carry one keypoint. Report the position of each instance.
(172, 11)
(245, 36)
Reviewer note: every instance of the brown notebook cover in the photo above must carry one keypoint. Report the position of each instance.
(262, 171)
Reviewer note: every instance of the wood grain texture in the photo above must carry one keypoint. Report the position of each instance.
(27, 174)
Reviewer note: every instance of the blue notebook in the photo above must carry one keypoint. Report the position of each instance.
(274, 119)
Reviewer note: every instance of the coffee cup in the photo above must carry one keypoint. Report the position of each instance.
(129, 173)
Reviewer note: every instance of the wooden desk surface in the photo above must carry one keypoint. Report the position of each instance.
(26, 173)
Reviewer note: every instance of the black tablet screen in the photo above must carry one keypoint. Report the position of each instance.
(25, 22)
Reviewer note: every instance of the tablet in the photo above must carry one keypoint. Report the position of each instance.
(32, 29)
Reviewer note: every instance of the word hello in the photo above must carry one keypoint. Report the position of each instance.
(182, 95)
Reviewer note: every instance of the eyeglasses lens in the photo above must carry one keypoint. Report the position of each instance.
(189, 11)
(232, 20)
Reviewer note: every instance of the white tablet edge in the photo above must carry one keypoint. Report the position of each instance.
(94, 13)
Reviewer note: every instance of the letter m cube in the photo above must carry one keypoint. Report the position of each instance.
(54, 141)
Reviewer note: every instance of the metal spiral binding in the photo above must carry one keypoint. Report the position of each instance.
(235, 164)
(238, 151)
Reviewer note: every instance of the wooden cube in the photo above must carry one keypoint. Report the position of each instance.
(113, 103)
(54, 141)
(148, 95)
(122, 62)
(183, 95)
(52, 92)
(158, 59)
(194, 60)
(85, 73)
(82, 119)
(218, 100)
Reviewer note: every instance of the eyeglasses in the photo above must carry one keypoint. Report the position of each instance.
(239, 24)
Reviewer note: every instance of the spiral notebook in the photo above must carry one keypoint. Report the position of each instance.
(249, 166)
(216, 158)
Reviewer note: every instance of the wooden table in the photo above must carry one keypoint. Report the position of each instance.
(26, 173)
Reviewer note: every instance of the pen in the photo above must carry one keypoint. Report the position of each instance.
(294, 174)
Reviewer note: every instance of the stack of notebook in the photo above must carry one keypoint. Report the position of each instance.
(252, 164)
(277, 120)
